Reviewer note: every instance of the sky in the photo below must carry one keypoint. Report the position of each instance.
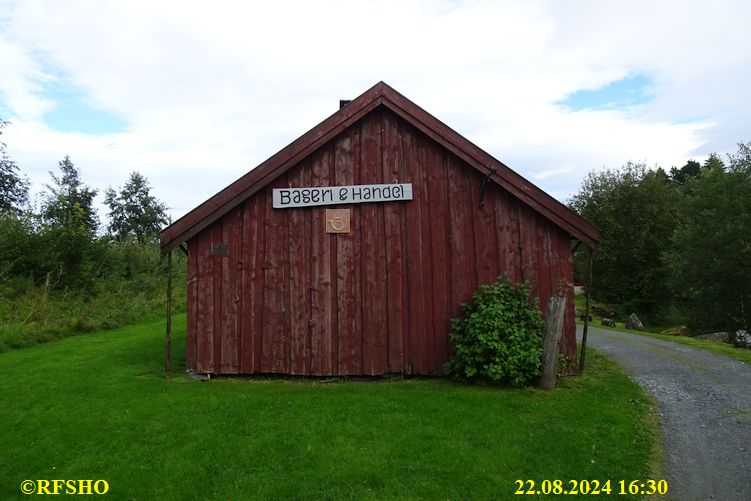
(194, 94)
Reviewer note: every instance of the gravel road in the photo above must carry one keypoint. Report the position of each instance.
(704, 401)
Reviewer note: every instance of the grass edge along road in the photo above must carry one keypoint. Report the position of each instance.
(717, 347)
(98, 407)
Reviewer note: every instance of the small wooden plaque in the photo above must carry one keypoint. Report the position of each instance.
(220, 249)
(337, 220)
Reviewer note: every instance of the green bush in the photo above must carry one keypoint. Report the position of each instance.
(500, 337)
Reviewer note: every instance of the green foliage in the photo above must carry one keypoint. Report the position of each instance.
(500, 337)
(714, 162)
(128, 285)
(68, 256)
(14, 189)
(688, 171)
(58, 246)
(636, 210)
(69, 203)
(711, 254)
(59, 278)
(134, 212)
(15, 246)
(740, 162)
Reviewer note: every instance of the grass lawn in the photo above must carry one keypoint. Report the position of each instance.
(97, 407)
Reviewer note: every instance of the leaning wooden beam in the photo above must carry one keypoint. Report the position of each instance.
(168, 337)
(586, 312)
(552, 336)
(576, 247)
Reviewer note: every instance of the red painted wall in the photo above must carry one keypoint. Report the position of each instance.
(290, 298)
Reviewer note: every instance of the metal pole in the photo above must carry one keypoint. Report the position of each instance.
(586, 313)
(168, 338)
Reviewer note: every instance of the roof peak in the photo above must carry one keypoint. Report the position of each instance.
(380, 94)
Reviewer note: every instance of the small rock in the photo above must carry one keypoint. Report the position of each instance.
(634, 323)
(742, 339)
(678, 330)
(198, 376)
(608, 322)
(716, 336)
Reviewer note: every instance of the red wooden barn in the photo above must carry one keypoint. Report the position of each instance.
(292, 290)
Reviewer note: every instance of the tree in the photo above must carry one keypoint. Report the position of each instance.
(712, 253)
(711, 256)
(688, 171)
(69, 228)
(741, 161)
(636, 210)
(69, 202)
(713, 162)
(134, 213)
(14, 189)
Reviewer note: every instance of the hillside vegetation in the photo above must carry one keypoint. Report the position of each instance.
(129, 286)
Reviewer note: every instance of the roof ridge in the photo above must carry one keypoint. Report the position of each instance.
(380, 94)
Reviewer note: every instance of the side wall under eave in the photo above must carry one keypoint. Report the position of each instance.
(290, 298)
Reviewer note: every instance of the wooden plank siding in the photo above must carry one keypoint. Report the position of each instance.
(290, 298)
(192, 303)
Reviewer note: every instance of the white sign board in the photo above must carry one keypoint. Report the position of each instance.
(284, 198)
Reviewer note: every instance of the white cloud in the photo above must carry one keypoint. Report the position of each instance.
(553, 171)
(20, 83)
(211, 90)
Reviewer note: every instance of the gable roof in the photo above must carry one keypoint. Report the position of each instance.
(380, 94)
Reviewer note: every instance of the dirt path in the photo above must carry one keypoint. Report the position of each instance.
(705, 405)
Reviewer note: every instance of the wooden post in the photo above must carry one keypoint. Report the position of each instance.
(168, 337)
(586, 314)
(552, 336)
